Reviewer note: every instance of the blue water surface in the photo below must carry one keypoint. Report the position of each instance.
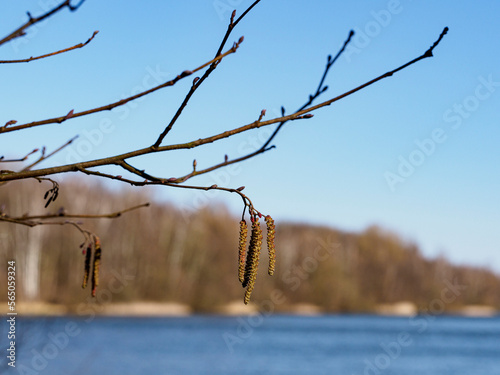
(277, 344)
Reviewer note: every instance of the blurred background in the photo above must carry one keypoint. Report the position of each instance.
(162, 254)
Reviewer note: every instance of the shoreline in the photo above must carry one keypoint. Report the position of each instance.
(235, 308)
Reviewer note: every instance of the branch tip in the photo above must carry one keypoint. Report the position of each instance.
(428, 53)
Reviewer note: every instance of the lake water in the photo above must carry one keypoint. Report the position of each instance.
(277, 344)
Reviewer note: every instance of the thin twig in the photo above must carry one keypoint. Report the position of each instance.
(3, 160)
(45, 157)
(78, 216)
(21, 31)
(79, 45)
(207, 73)
(166, 182)
(321, 89)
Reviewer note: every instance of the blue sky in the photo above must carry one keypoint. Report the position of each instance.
(416, 154)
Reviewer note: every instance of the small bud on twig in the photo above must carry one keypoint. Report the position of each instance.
(11, 122)
(309, 115)
(262, 114)
(69, 115)
(240, 188)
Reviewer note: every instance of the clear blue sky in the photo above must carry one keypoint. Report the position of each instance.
(416, 154)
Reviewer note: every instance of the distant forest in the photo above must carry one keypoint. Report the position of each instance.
(163, 254)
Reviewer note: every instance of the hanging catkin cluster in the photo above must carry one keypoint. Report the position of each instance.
(249, 260)
(95, 245)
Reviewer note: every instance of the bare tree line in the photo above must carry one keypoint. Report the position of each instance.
(195, 261)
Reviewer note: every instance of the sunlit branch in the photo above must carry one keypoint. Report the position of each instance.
(45, 157)
(3, 160)
(231, 26)
(79, 45)
(166, 182)
(7, 176)
(65, 215)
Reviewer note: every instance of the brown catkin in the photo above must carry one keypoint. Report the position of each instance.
(97, 264)
(86, 271)
(248, 263)
(242, 250)
(271, 230)
(251, 270)
(248, 294)
(250, 260)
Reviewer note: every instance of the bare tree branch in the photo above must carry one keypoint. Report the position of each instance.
(21, 31)
(230, 27)
(3, 160)
(265, 147)
(45, 157)
(79, 45)
(9, 175)
(151, 180)
(63, 214)
(36, 220)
